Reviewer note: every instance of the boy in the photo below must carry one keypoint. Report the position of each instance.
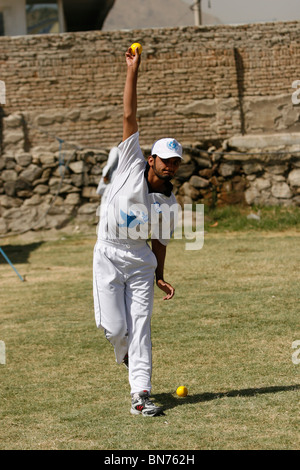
(124, 264)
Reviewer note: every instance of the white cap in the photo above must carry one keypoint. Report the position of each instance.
(167, 148)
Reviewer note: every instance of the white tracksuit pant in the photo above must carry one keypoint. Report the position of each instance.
(123, 300)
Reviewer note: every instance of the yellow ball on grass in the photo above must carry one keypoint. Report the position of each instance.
(182, 391)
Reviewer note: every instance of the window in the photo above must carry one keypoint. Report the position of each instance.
(1, 24)
(42, 17)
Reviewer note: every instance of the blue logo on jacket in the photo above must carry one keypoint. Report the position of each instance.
(132, 220)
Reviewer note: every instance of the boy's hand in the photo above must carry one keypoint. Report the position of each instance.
(133, 60)
(167, 288)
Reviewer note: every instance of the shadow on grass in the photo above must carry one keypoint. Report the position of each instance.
(18, 254)
(170, 400)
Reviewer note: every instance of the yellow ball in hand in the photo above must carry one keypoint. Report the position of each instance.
(134, 46)
(182, 391)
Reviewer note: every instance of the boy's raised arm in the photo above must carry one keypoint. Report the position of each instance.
(130, 125)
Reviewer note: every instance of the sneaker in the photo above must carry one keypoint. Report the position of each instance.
(141, 404)
(126, 361)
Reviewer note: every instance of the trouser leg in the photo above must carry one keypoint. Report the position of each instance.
(139, 304)
(109, 305)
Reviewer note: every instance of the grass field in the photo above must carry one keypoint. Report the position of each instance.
(227, 335)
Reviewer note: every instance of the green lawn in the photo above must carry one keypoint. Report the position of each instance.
(227, 335)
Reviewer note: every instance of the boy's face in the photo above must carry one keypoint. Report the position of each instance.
(164, 169)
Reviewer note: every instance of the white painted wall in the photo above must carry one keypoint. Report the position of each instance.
(14, 15)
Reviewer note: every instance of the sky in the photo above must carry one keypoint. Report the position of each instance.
(251, 11)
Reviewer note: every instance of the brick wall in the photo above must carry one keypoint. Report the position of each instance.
(198, 83)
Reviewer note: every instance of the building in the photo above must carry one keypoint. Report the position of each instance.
(20, 17)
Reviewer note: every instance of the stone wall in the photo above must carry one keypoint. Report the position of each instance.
(47, 187)
(223, 91)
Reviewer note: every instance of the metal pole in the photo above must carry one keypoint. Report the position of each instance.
(197, 12)
(61, 16)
